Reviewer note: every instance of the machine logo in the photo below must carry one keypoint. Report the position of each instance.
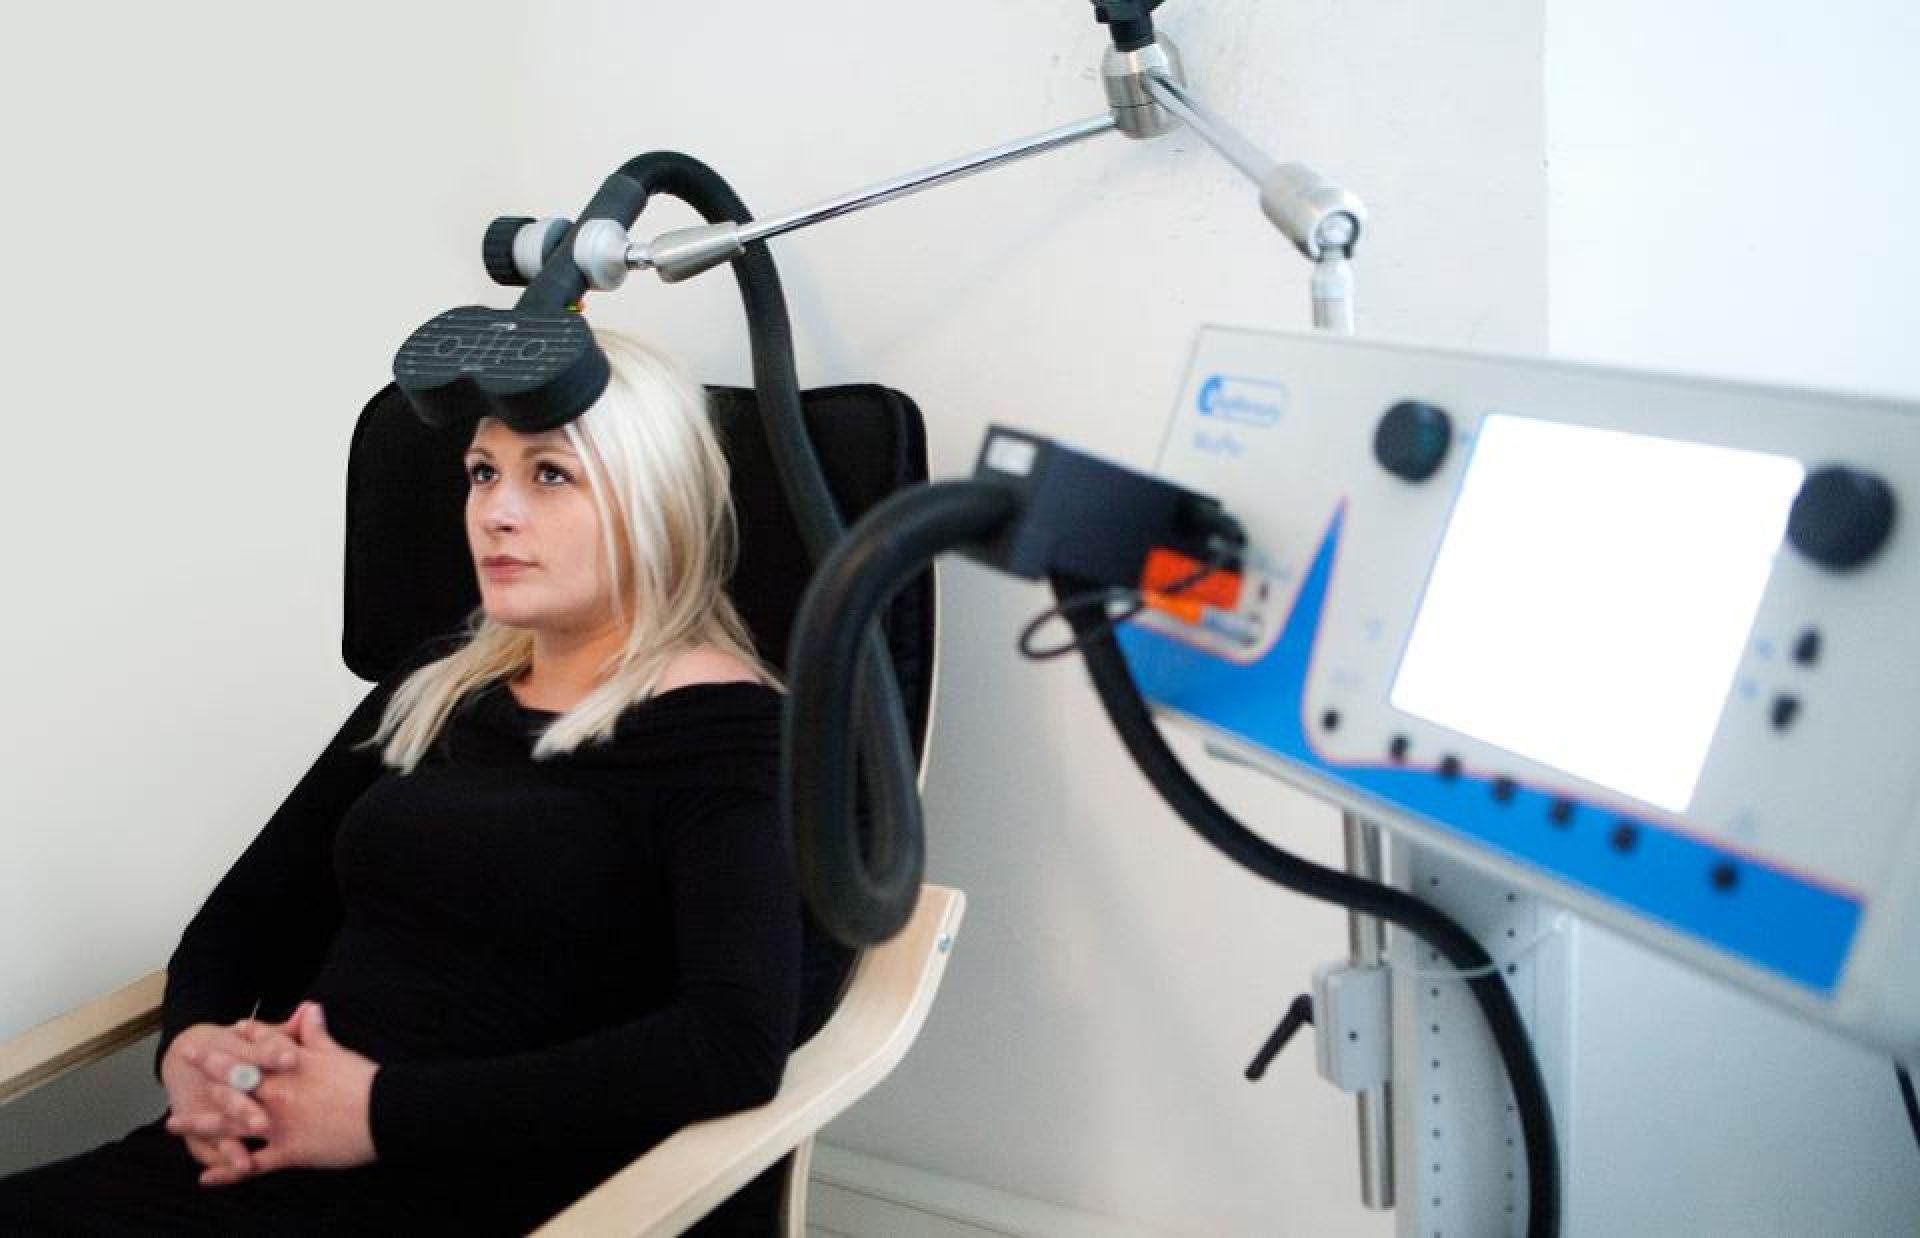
(1250, 401)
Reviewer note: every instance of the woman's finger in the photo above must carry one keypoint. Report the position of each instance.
(233, 1110)
(231, 1164)
(204, 1151)
(222, 1175)
(273, 1043)
(254, 1029)
(240, 1111)
(202, 1124)
(275, 1156)
(274, 1050)
(217, 1062)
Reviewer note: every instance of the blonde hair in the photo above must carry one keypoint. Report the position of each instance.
(660, 484)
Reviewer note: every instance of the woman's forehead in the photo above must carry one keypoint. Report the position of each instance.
(493, 433)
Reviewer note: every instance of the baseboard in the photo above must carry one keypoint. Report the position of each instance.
(852, 1195)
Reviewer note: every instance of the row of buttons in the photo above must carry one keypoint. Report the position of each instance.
(1560, 811)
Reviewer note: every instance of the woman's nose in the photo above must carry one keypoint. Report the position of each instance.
(499, 510)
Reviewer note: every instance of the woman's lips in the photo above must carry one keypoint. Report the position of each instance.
(504, 571)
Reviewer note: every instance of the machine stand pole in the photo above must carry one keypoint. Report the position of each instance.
(1366, 939)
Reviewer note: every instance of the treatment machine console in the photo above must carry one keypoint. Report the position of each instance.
(1640, 641)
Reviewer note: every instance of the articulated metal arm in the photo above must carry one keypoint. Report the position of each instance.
(604, 253)
(1146, 97)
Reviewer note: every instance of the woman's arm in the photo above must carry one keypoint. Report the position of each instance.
(260, 936)
(720, 1044)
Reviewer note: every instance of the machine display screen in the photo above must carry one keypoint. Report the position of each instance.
(1593, 596)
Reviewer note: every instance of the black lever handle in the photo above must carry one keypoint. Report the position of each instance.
(1298, 1015)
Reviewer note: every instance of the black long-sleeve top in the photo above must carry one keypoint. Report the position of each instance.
(549, 960)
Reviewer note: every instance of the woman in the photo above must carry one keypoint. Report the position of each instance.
(532, 909)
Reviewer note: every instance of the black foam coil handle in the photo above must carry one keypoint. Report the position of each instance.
(532, 370)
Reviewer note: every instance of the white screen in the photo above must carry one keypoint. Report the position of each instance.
(1592, 599)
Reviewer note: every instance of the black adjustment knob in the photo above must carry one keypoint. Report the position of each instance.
(496, 250)
(1412, 439)
(1129, 20)
(1841, 517)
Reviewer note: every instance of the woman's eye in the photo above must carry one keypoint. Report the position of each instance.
(480, 472)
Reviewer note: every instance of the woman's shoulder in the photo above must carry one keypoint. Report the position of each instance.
(706, 702)
(706, 666)
(709, 723)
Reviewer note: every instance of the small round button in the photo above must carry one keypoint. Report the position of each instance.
(1841, 517)
(1412, 439)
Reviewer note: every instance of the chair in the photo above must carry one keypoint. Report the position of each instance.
(408, 578)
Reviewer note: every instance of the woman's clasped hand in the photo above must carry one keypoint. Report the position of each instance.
(310, 1110)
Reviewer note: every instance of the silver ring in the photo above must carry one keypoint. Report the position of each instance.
(243, 1076)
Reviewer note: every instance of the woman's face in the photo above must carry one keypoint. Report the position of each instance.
(533, 531)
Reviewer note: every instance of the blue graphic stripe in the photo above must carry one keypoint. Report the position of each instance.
(1769, 917)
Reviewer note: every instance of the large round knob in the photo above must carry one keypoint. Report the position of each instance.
(1412, 439)
(1841, 517)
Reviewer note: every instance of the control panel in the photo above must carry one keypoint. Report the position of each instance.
(1639, 642)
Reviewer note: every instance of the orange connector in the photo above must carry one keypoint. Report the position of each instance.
(1219, 589)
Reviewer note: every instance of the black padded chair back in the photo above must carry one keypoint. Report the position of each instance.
(410, 576)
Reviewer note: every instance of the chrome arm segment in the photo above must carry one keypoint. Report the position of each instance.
(1315, 214)
(1333, 292)
(1218, 133)
(605, 255)
(927, 178)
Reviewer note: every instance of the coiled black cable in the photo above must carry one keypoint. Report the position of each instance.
(1128, 713)
(876, 904)
(891, 545)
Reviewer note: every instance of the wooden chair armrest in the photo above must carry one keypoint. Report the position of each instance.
(84, 1034)
(686, 1176)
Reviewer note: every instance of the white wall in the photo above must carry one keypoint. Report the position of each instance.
(1731, 195)
(220, 221)
(1114, 975)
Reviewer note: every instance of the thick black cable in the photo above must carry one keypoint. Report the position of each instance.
(890, 546)
(1906, 1094)
(887, 768)
(1130, 717)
